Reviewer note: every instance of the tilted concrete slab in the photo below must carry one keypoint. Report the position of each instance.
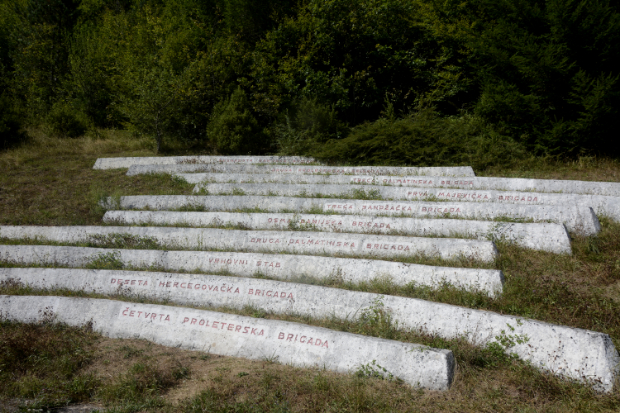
(601, 204)
(579, 354)
(279, 266)
(295, 242)
(115, 163)
(542, 237)
(501, 184)
(579, 220)
(238, 336)
(286, 169)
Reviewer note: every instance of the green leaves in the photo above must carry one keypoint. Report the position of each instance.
(155, 101)
(545, 74)
(233, 129)
(540, 74)
(425, 138)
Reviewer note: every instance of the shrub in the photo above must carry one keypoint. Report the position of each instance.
(10, 125)
(65, 121)
(424, 139)
(309, 123)
(233, 129)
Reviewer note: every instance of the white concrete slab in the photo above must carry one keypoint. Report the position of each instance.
(293, 242)
(115, 163)
(238, 336)
(542, 237)
(288, 169)
(579, 220)
(601, 204)
(564, 351)
(500, 184)
(278, 266)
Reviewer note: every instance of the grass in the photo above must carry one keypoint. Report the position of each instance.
(44, 363)
(51, 182)
(585, 168)
(51, 365)
(134, 375)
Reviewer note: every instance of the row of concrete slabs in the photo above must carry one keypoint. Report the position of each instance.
(262, 230)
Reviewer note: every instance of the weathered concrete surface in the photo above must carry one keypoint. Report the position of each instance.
(279, 266)
(501, 184)
(565, 351)
(239, 336)
(579, 220)
(285, 169)
(114, 163)
(601, 204)
(295, 242)
(542, 237)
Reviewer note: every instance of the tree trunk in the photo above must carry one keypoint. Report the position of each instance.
(157, 135)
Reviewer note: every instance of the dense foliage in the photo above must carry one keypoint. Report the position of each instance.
(400, 81)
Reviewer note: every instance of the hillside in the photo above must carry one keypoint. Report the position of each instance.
(51, 182)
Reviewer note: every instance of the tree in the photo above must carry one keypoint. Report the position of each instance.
(40, 36)
(233, 128)
(155, 101)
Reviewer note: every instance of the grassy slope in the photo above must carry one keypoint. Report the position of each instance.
(51, 182)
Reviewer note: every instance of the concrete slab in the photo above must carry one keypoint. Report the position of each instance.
(564, 351)
(601, 204)
(292, 242)
(238, 336)
(500, 184)
(542, 237)
(278, 266)
(287, 169)
(578, 220)
(115, 163)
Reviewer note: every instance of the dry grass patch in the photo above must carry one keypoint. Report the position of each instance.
(43, 363)
(50, 181)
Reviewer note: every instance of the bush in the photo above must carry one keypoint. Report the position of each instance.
(233, 129)
(545, 77)
(306, 126)
(65, 121)
(540, 72)
(10, 125)
(424, 139)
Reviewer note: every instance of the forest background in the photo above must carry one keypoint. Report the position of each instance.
(424, 82)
